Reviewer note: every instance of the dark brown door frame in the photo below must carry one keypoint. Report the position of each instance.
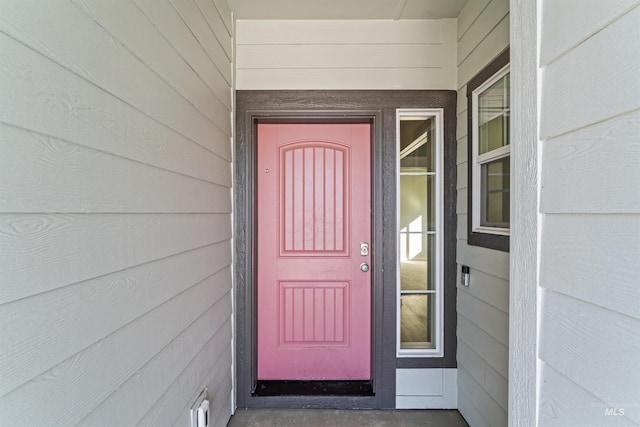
(378, 107)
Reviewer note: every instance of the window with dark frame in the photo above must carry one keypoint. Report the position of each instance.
(488, 98)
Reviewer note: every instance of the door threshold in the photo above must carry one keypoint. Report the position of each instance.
(313, 388)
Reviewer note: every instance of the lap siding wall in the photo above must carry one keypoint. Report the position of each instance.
(115, 211)
(483, 307)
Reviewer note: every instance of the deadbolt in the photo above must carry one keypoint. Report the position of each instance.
(364, 267)
(364, 248)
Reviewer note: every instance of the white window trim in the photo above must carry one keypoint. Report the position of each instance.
(478, 160)
(438, 350)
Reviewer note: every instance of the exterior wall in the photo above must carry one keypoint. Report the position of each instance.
(483, 307)
(589, 345)
(115, 227)
(410, 54)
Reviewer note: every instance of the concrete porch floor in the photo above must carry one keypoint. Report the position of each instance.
(346, 418)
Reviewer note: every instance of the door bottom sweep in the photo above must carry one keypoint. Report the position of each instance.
(313, 388)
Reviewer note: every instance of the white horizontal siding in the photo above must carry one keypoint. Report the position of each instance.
(111, 64)
(487, 288)
(132, 401)
(212, 14)
(490, 413)
(198, 26)
(491, 320)
(346, 78)
(616, 72)
(491, 380)
(589, 345)
(579, 255)
(461, 208)
(495, 263)
(469, 14)
(597, 350)
(563, 404)
(462, 225)
(493, 41)
(563, 29)
(309, 32)
(462, 172)
(569, 162)
(489, 348)
(180, 38)
(414, 54)
(485, 23)
(191, 378)
(465, 406)
(483, 319)
(225, 14)
(86, 246)
(602, 335)
(462, 126)
(47, 340)
(103, 367)
(115, 204)
(56, 164)
(342, 56)
(153, 45)
(78, 111)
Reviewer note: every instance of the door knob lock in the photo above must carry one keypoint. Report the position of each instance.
(364, 248)
(364, 267)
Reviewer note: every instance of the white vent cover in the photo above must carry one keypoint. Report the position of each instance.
(200, 410)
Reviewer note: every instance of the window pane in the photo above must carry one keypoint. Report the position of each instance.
(420, 159)
(417, 203)
(417, 262)
(493, 116)
(419, 233)
(495, 193)
(417, 148)
(494, 134)
(417, 316)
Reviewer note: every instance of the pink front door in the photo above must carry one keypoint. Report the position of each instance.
(314, 210)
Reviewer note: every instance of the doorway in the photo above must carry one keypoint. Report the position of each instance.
(377, 111)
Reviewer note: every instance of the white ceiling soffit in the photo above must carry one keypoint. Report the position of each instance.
(346, 9)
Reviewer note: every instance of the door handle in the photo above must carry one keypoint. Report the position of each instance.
(364, 267)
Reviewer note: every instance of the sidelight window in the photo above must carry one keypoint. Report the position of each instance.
(420, 233)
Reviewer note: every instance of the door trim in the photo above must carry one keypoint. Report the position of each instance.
(377, 107)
